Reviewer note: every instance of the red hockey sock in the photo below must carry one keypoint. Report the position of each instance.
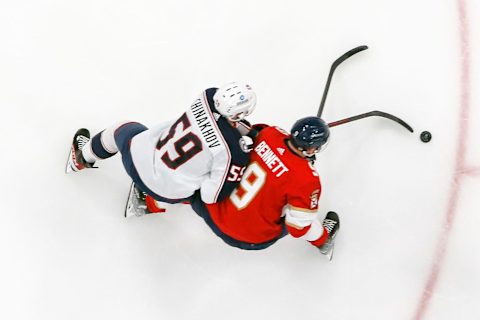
(152, 205)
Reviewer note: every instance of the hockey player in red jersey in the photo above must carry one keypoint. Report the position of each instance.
(172, 160)
(278, 192)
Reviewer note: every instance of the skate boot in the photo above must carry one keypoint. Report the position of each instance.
(75, 161)
(332, 224)
(140, 203)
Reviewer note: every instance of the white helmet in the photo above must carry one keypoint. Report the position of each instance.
(235, 100)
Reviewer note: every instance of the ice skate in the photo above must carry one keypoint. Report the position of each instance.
(75, 161)
(332, 224)
(139, 203)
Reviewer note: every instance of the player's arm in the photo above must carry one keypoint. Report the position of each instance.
(227, 165)
(223, 178)
(226, 172)
(212, 185)
(301, 214)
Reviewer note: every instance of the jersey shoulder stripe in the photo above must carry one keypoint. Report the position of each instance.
(208, 99)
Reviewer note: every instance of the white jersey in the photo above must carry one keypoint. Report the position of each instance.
(197, 151)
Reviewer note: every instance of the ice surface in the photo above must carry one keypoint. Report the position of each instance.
(409, 210)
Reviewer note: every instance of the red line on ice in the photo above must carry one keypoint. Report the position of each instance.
(474, 171)
(460, 167)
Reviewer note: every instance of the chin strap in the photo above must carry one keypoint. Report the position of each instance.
(308, 155)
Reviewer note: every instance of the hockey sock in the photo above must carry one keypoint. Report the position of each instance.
(152, 205)
(102, 145)
(320, 241)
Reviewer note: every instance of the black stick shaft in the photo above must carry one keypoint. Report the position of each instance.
(334, 66)
(371, 114)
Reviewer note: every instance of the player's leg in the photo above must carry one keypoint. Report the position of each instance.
(103, 145)
(122, 137)
(331, 223)
(139, 203)
(85, 152)
(142, 200)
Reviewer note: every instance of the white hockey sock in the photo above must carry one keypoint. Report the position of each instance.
(105, 143)
(88, 154)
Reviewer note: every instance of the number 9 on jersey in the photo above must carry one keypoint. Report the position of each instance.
(252, 181)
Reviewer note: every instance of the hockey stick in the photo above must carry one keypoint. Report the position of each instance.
(334, 66)
(371, 114)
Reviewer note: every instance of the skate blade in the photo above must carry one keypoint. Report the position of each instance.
(327, 249)
(330, 252)
(129, 206)
(132, 207)
(133, 211)
(69, 168)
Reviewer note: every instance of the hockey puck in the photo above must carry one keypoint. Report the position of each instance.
(425, 136)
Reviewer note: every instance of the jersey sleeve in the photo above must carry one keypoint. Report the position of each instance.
(212, 186)
(302, 199)
(227, 166)
(301, 215)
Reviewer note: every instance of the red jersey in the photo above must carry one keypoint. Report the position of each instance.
(275, 181)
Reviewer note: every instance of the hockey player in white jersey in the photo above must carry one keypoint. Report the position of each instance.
(172, 160)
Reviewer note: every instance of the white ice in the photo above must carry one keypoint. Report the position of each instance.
(68, 253)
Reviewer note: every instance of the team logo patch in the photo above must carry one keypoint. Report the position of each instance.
(314, 199)
(314, 171)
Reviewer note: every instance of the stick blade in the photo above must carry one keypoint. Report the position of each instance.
(348, 54)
